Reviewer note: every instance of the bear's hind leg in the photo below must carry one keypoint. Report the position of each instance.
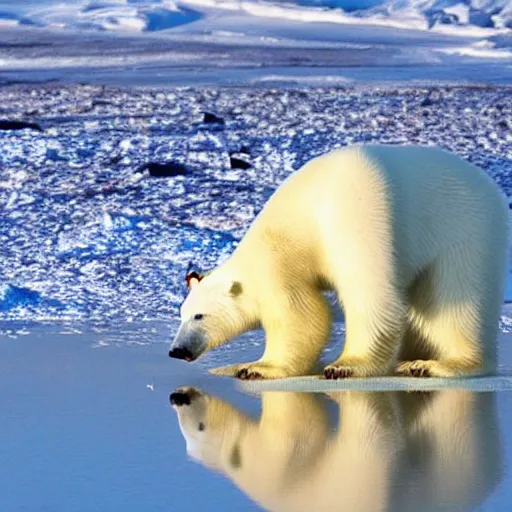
(454, 337)
(459, 315)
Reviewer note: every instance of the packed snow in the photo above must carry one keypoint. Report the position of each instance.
(109, 196)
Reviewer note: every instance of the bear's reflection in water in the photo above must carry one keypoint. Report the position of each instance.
(437, 451)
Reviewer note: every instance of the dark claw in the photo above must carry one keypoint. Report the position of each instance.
(329, 373)
(337, 373)
(415, 372)
(344, 373)
(242, 374)
(420, 372)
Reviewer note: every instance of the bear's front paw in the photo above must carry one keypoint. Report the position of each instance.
(338, 372)
(251, 371)
(226, 371)
(345, 368)
(260, 371)
(248, 374)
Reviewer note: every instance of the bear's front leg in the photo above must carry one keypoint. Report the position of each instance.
(295, 334)
(252, 371)
(371, 344)
(290, 351)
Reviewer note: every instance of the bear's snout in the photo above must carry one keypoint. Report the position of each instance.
(179, 398)
(181, 353)
(184, 396)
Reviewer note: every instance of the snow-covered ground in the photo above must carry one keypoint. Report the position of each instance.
(87, 233)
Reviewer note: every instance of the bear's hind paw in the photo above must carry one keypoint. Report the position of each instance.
(443, 369)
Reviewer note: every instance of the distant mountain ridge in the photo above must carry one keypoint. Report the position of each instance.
(480, 13)
(154, 15)
(428, 13)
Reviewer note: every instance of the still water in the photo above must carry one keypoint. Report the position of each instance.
(90, 425)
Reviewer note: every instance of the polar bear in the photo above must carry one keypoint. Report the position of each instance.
(412, 239)
(379, 450)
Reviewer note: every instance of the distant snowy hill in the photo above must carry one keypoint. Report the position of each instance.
(479, 13)
(154, 15)
(103, 15)
(438, 36)
(422, 14)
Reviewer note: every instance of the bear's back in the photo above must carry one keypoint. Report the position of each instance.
(430, 198)
(439, 196)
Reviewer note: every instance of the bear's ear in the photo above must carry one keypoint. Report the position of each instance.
(236, 288)
(193, 278)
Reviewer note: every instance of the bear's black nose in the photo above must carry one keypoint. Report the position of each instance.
(179, 398)
(181, 353)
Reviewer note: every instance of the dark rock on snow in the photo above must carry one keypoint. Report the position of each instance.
(212, 118)
(6, 124)
(238, 163)
(164, 170)
(427, 102)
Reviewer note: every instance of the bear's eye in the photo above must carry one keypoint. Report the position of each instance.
(200, 427)
(199, 316)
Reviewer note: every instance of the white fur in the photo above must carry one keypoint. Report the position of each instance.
(412, 239)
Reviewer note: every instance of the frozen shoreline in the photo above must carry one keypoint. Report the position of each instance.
(38, 55)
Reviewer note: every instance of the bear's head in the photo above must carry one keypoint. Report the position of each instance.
(215, 310)
(209, 426)
(191, 405)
